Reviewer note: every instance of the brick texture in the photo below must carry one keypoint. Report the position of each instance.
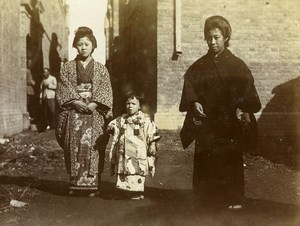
(266, 35)
(12, 90)
(14, 26)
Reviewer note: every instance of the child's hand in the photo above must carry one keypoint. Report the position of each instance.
(154, 139)
(151, 149)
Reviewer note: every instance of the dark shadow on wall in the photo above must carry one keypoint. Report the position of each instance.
(34, 52)
(54, 58)
(279, 125)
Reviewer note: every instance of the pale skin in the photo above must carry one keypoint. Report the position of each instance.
(132, 106)
(216, 43)
(84, 48)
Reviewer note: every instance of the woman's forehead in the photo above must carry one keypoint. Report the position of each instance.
(84, 39)
(214, 31)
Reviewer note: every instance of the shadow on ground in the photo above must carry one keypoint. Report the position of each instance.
(279, 125)
(49, 186)
(180, 211)
(171, 207)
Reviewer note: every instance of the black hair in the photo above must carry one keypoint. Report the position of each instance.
(218, 22)
(134, 94)
(84, 32)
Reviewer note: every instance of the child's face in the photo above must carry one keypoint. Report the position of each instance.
(132, 106)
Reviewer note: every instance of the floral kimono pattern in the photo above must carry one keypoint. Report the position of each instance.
(132, 149)
(82, 135)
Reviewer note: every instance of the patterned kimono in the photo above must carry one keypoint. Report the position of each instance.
(133, 150)
(82, 135)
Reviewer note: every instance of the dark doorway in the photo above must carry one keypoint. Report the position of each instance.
(133, 62)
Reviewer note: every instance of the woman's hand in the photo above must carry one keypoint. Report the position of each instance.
(79, 106)
(245, 119)
(199, 109)
(91, 107)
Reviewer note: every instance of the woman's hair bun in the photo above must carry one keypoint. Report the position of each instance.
(84, 30)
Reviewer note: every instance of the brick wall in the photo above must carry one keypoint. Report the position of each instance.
(12, 90)
(14, 26)
(266, 36)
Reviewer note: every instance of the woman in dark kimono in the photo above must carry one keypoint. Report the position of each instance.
(84, 95)
(220, 98)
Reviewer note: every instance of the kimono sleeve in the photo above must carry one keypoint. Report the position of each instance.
(249, 100)
(188, 95)
(65, 91)
(152, 137)
(102, 90)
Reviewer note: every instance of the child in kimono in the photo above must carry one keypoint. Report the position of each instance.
(133, 149)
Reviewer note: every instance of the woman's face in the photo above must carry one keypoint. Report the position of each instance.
(84, 47)
(132, 106)
(215, 40)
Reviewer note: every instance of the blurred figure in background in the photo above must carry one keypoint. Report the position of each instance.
(47, 98)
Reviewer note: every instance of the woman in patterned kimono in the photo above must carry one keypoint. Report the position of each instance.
(133, 148)
(84, 95)
(220, 98)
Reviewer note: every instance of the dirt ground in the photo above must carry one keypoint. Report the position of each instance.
(32, 170)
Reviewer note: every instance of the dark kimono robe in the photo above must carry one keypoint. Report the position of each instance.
(221, 85)
(82, 135)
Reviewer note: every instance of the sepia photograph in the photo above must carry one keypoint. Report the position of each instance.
(149, 113)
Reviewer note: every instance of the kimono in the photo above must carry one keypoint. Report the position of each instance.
(223, 85)
(133, 150)
(82, 136)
